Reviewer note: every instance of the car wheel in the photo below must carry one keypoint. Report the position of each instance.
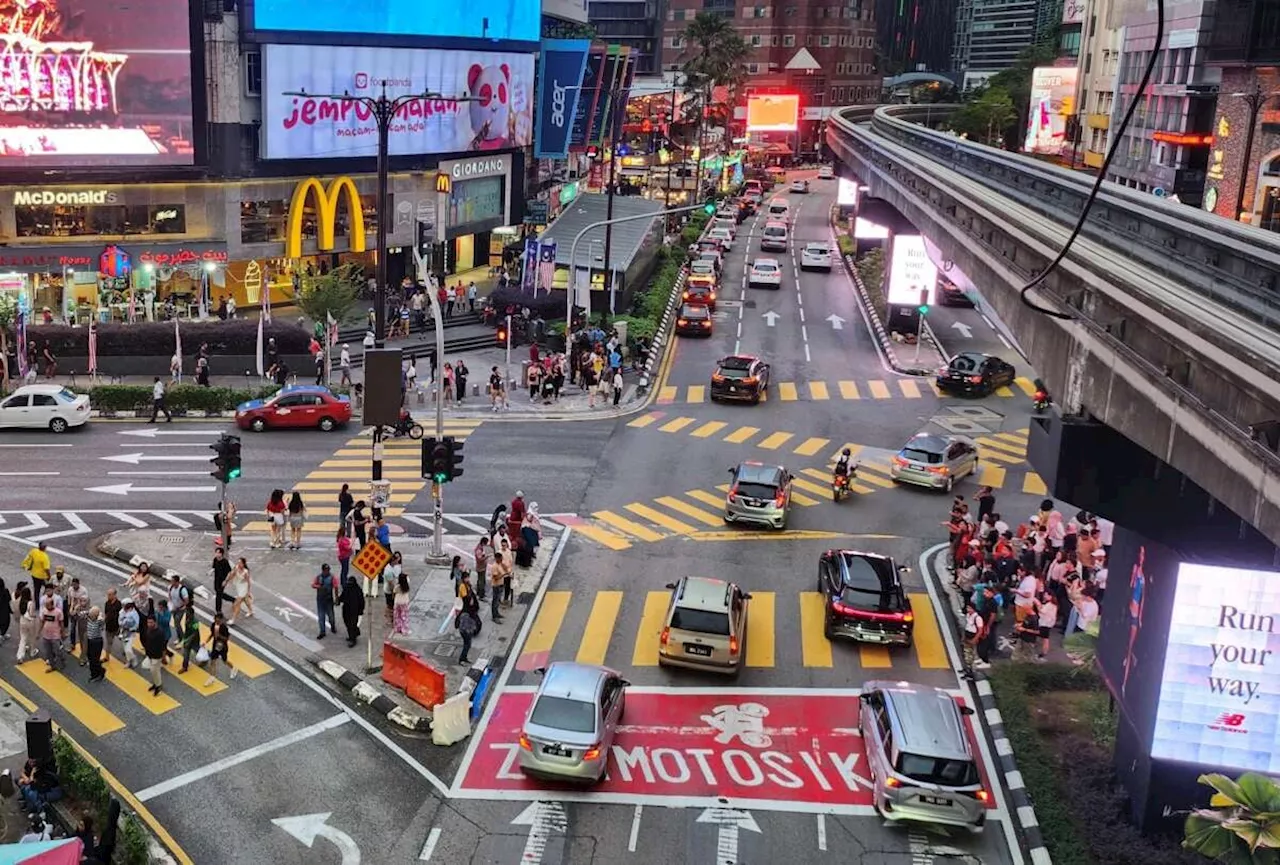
(58, 425)
(327, 424)
(258, 424)
(826, 629)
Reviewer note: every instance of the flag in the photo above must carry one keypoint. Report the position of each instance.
(546, 266)
(266, 297)
(20, 333)
(93, 347)
(261, 319)
(204, 294)
(177, 345)
(333, 330)
(528, 283)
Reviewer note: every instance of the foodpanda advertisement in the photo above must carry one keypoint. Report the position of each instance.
(453, 101)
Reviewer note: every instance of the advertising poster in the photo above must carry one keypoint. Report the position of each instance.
(1052, 102)
(529, 267)
(772, 113)
(475, 205)
(1220, 686)
(324, 125)
(910, 271)
(611, 78)
(96, 84)
(582, 118)
(562, 64)
(518, 20)
(846, 192)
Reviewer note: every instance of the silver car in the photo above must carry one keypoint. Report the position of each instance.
(922, 767)
(759, 493)
(571, 724)
(935, 461)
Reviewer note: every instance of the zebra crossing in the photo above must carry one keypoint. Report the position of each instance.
(846, 389)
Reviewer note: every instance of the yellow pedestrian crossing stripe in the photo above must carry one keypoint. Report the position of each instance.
(91, 703)
(352, 463)
(619, 624)
(846, 389)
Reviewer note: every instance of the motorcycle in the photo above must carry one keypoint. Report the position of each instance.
(406, 427)
(1041, 399)
(839, 486)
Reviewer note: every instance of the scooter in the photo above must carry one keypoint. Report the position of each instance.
(840, 486)
(1041, 400)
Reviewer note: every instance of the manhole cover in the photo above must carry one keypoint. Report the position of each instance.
(960, 425)
(973, 412)
(173, 540)
(750, 304)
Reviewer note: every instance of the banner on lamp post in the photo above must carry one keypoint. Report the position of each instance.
(547, 265)
(529, 270)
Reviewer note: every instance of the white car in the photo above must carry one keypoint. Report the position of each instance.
(765, 271)
(801, 186)
(816, 256)
(727, 224)
(723, 235)
(826, 172)
(44, 406)
(778, 211)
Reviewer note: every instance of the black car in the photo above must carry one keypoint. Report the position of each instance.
(863, 598)
(950, 294)
(694, 320)
(974, 374)
(740, 376)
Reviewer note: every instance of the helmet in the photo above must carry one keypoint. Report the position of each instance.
(846, 452)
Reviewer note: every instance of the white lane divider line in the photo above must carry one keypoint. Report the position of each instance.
(822, 832)
(433, 837)
(635, 829)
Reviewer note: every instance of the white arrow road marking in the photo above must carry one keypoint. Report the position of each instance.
(28, 474)
(287, 614)
(837, 322)
(157, 474)
(542, 818)
(965, 330)
(125, 489)
(79, 527)
(308, 827)
(134, 459)
(771, 318)
(729, 822)
(152, 432)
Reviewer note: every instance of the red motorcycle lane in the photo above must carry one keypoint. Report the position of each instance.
(746, 746)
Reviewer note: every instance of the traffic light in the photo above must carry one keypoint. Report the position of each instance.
(924, 301)
(435, 459)
(709, 208)
(454, 448)
(428, 445)
(502, 334)
(226, 465)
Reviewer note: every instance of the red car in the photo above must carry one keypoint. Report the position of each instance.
(300, 406)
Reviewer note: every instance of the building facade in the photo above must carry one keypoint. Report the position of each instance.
(915, 35)
(1100, 44)
(634, 23)
(990, 34)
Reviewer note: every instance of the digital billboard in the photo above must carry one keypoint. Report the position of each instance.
(865, 229)
(772, 113)
(584, 116)
(562, 64)
(323, 125)
(1053, 90)
(517, 20)
(1220, 687)
(96, 84)
(846, 192)
(910, 271)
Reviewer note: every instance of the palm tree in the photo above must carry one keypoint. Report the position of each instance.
(1242, 824)
(715, 56)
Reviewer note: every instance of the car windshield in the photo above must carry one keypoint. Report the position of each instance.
(775, 231)
(66, 396)
(932, 770)
(964, 363)
(701, 621)
(765, 267)
(816, 248)
(694, 312)
(754, 490)
(921, 456)
(563, 713)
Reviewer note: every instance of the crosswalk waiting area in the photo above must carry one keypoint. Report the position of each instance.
(97, 705)
(847, 389)
(350, 464)
(621, 629)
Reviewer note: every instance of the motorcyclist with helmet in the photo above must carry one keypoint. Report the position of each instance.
(844, 469)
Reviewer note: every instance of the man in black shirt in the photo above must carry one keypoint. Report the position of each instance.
(221, 570)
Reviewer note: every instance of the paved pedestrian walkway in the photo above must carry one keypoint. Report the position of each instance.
(285, 607)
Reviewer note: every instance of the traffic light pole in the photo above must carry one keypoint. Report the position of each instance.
(436, 555)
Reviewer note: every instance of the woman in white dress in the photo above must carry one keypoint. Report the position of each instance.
(238, 587)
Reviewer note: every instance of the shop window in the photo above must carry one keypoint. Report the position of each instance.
(264, 221)
(253, 73)
(91, 221)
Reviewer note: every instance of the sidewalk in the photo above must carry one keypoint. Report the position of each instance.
(284, 609)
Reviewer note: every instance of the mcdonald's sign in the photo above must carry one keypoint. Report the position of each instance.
(326, 204)
(443, 184)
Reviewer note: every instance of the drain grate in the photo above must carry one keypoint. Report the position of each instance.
(172, 540)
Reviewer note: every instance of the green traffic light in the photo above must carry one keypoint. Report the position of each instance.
(232, 474)
(924, 310)
(709, 208)
(440, 477)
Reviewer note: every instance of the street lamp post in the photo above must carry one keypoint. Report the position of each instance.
(1255, 99)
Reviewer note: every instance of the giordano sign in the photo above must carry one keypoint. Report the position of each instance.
(326, 205)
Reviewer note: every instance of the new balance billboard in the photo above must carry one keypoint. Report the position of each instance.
(560, 74)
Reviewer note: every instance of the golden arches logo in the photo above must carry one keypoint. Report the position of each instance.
(326, 215)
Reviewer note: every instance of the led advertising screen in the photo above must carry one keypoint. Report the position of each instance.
(910, 271)
(772, 113)
(865, 229)
(1052, 102)
(846, 192)
(1220, 688)
(476, 205)
(517, 20)
(321, 125)
(587, 105)
(96, 84)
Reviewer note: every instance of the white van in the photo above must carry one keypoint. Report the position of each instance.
(775, 237)
(778, 211)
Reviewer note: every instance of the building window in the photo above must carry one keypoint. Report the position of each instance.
(755, 41)
(789, 40)
(824, 41)
(753, 68)
(252, 73)
(808, 40)
(790, 11)
(773, 40)
(94, 220)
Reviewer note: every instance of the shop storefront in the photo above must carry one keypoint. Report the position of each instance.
(477, 222)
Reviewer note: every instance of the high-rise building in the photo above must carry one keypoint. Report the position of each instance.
(1100, 38)
(633, 23)
(824, 50)
(915, 35)
(990, 34)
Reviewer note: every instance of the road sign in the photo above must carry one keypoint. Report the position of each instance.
(769, 747)
(379, 494)
(371, 559)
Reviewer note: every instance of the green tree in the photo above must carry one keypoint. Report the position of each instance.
(330, 294)
(986, 117)
(1016, 82)
(8, 314)
(715, 55)
(1242, 824)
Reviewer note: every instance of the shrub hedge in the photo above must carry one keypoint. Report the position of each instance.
(84, 781)
(155, 338)
(182, 399)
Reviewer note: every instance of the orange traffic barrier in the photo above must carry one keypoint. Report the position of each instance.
(424, 683)
(395, 662)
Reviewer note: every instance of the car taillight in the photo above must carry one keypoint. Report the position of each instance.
(900, 462)
(706, 323)
(525, 743)
(733, 491)
(666, 635)
(975, 379)
(685, 296)
(717, 377)
(892, 782)
(908, 617)
(592, 753)
(711, 296)
(780, 498)
(846, 610)
(940, 470)
(981, 795)
(733, 645)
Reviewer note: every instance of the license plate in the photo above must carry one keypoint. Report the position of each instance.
(935, 800)
(555, 750)
(695, 649)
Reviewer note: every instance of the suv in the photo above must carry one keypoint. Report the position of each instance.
(774, 237)
(974, 373)
(758, 494)
(863, 598)
(706, 626)
(918, 753)
(740, 376)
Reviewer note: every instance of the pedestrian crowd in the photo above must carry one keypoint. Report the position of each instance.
(1049, 572)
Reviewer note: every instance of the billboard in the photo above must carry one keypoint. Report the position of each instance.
(1220, 688)
(772, 113)
(846, 192)
(591, 79)
(323, 125)
(910, 271)
(560, 70)
(518, 20)
(1053, 100)
(1073, 11)
(96, 85)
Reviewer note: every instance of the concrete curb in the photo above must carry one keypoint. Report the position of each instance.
(107, 548)
(886, 343)
(142, 415)
(371, 696)
(1023, 812)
